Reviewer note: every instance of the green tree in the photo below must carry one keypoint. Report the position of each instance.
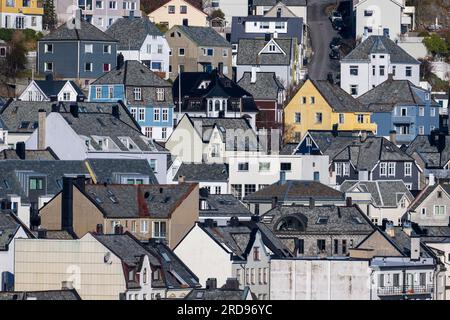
(436, 45)
(217, 14)
(16, 58)
(162, 27)
(49, 20)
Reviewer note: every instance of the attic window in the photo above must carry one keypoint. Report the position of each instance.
(272, 48)
(358, 220)
(322, 220)
(24, 125)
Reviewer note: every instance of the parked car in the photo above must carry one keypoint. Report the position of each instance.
(335, 54)
(335, 43)
(335, 15)
(338, 25)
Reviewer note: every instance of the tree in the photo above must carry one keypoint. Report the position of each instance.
(217, 14)
(436, 45)
(16, 58)
(426, 69)
(49, 19)
(162, 27)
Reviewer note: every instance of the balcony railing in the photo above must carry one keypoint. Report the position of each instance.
(400, 290)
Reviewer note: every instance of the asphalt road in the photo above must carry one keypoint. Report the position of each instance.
(321, 34)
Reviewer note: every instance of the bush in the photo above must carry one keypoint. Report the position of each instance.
(6, 34)
(436, 45)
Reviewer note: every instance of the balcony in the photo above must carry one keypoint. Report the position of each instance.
(403, 119)
(400, 290)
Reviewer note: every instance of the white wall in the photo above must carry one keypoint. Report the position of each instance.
(7, 257)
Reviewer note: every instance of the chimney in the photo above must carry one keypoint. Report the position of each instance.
(234, 221)
(211, 284)
(49, 77)
(415, 247)
(181, 179)
(231, 284)
(253, 76)
(20, 150)
(67, 204)
(81, 182)
(55, 107)
(363, 136)
(348, 202)
(115, 111)
(431, 179)
(42, 117)
(390, 231)
(393, 136)
(274, 202)
(312, 203)
(99, 228)
(255, 218)
(267, 37)
(220, 69)
(282, 177)
(67, 285)
(42, 234)
(120, 61)
(74, 110)
(407, 228)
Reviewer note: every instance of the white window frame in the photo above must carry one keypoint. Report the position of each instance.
(160, 94)
(391, 169)
(408, 169)
(383, 169)
(141, 114)
(156, 115)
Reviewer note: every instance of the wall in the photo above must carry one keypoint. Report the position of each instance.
(185, 142)
(195, 16)
(7, 257)
(429, 218)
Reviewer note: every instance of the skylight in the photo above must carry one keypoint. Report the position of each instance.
(322, 220)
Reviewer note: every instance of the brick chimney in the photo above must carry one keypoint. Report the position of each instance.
(41, 131)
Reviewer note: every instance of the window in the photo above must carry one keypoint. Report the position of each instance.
(110, 92)
(106, 67)
(382, 70)
(422, 278)
(252, 275)
(308, 141)
(256, 254)
(344, 246)
(346, 169)
(217, 190)
(160, 94)
(36, 184)
(113, 5)
(432, 112)
(183, 9)
(391, 169)
(336, 246)
(383, 169)
(360, 118)
(321, 245)
(236, 190)
(286, 166)
(243, 166)
(439, 210)
(421, 111)
(265, 275)
(181, 52)
(300, 243)
(381, 280)
(393, 70)
(439, 194)
(148, 132)
(341, 118)
(141, 114)
(208, 52)
(171, 9)
(107, 48)
(165, 115)
(421, 130)
(298, 117)
(368, 13)
(66, 96)
(149, 48)
(403, 203)
(423, 211)
(264, 166)
(156, 115)
(408, 71)
(88, 48)
(225, 52)
(354, 70)
(338, 169)
(396, 280)
(133, 111)
(408, 169)
(160, 49)
(99, 4)
(312, 100)
(137, 93)
(164, 133)
(373, 70)
(144, 226)
(159, 229)
(153, 165)
(133, 226)
(354, 89)
(88, 67)
(318, 117)
(249, 189)
(303, 100)
(48, 48)
(48, 66)
(403, 112)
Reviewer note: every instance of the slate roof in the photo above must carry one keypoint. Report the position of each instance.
(47, 154)
(340, 220)
(203, 36)
(132, 32)
(294, 28)
(55, 295)
(330, 143)
(379, 45)
(403, 241)
(434, 155)
(291, 3)
(249, 49)
(201, 172)
(223, 205)
(266, 87)
(138, 201)
(51, 88)
(106, 170)
(384, 193)
(17, 113)
(86, 32)
(288, 148)
(295, 190)
(385, 96)
(217, 294)
(9, 225)
(338, 99)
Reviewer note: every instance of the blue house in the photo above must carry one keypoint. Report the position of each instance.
(400, 106)
(147, 96)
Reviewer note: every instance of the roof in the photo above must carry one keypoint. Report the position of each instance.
(266, 87)
(202, 36)
(86, 32)
(291, 3)
(55, 295)
(132, 32)
(296, 190)
(138, 201)
(334, 220)
(217, 294)
(9, 225)
(384, 193)
(380, 45)
(47, 154)
(435, 154)
(156, 4)
(201, 172)
(51, 88)
(222, 205)
(445, 185)
(338, 99)
(390, 93)
(249, 52)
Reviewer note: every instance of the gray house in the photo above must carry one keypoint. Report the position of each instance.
(76, 51)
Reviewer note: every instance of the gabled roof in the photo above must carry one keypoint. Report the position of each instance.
(338, 99)
(218, 294)
(429, 190)
(266, 87)
(202, 36)
(54, 295)
(222, 205)
(435, 153)
(51, 88)
(132, 32)
(290, 3)
(86, 32)
(359, 2)
(249, 52)
(202, 172)
(156, 4)
(9, 225)
(379, 45)
(47, 154)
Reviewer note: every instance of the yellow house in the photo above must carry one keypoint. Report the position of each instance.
(21, 14)
(320, 105)
(178, 12)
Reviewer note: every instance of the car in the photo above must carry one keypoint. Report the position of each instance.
(335, 43)
(335, 54)
(335, 15)
(338, 25)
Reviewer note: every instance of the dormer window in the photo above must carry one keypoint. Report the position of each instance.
(128, 143)
(272, 48)
(36, 183)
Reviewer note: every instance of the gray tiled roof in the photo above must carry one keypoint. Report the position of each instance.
(337, 98)
(105, 169)
(132, 32)
(86, 32)
(201, 172)
(266, 87)
(47, 154)
(422, 196)
(290, 3)
(385, 193)
(223, 205)
(249, 49)
(377, 45)
(203, 36)
(9, 225)
(430, 152)
(52, 88)
(217, 294)
(134, 201)
(54, 295)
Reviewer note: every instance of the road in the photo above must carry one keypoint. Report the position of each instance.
(321, 34)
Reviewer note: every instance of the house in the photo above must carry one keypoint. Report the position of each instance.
(390, 18)
(212, 140)
(107, 267)
(293, 192)
(21, 154)
(280, 7)
(269, 95)
(229, 291)
(398, 105)
(211, 176)
(364, 158)
(279, 55)
(241, 250)
(212, 95)
(99, 13)
(21, 14)
(178, 12)
(321, 105)
(221, 208)
(11, 228)
(48, 295)
(147, 96)
(251, 173)
(140, 40)
(379, 200)
(230, 8)
(370, 63)
(325, 230)
(3, 136)
(80, 135)
(164, 212)
(76, 41)
(431, 208)
(52, 90)
(197, 49)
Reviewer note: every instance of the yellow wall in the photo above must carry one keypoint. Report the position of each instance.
(320, 105)
(34, 8)
(195, 17)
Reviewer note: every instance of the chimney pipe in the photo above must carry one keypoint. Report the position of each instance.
(211, 284)
(274, 202)
(415, 247)
(74, 110)
(181, 179)
(348, 201)
(81, 182)
(282, 177)
(115, 111)
(99, 228)
(393, 136)
(253, 75)
(67, 204)
(42, 117)
(20, 150)
(312, 203)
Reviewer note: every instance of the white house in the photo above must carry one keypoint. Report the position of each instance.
(370, 63)
(389, 18)
(283, 8)
(3, 136)
(231, 8)
(52, 90)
